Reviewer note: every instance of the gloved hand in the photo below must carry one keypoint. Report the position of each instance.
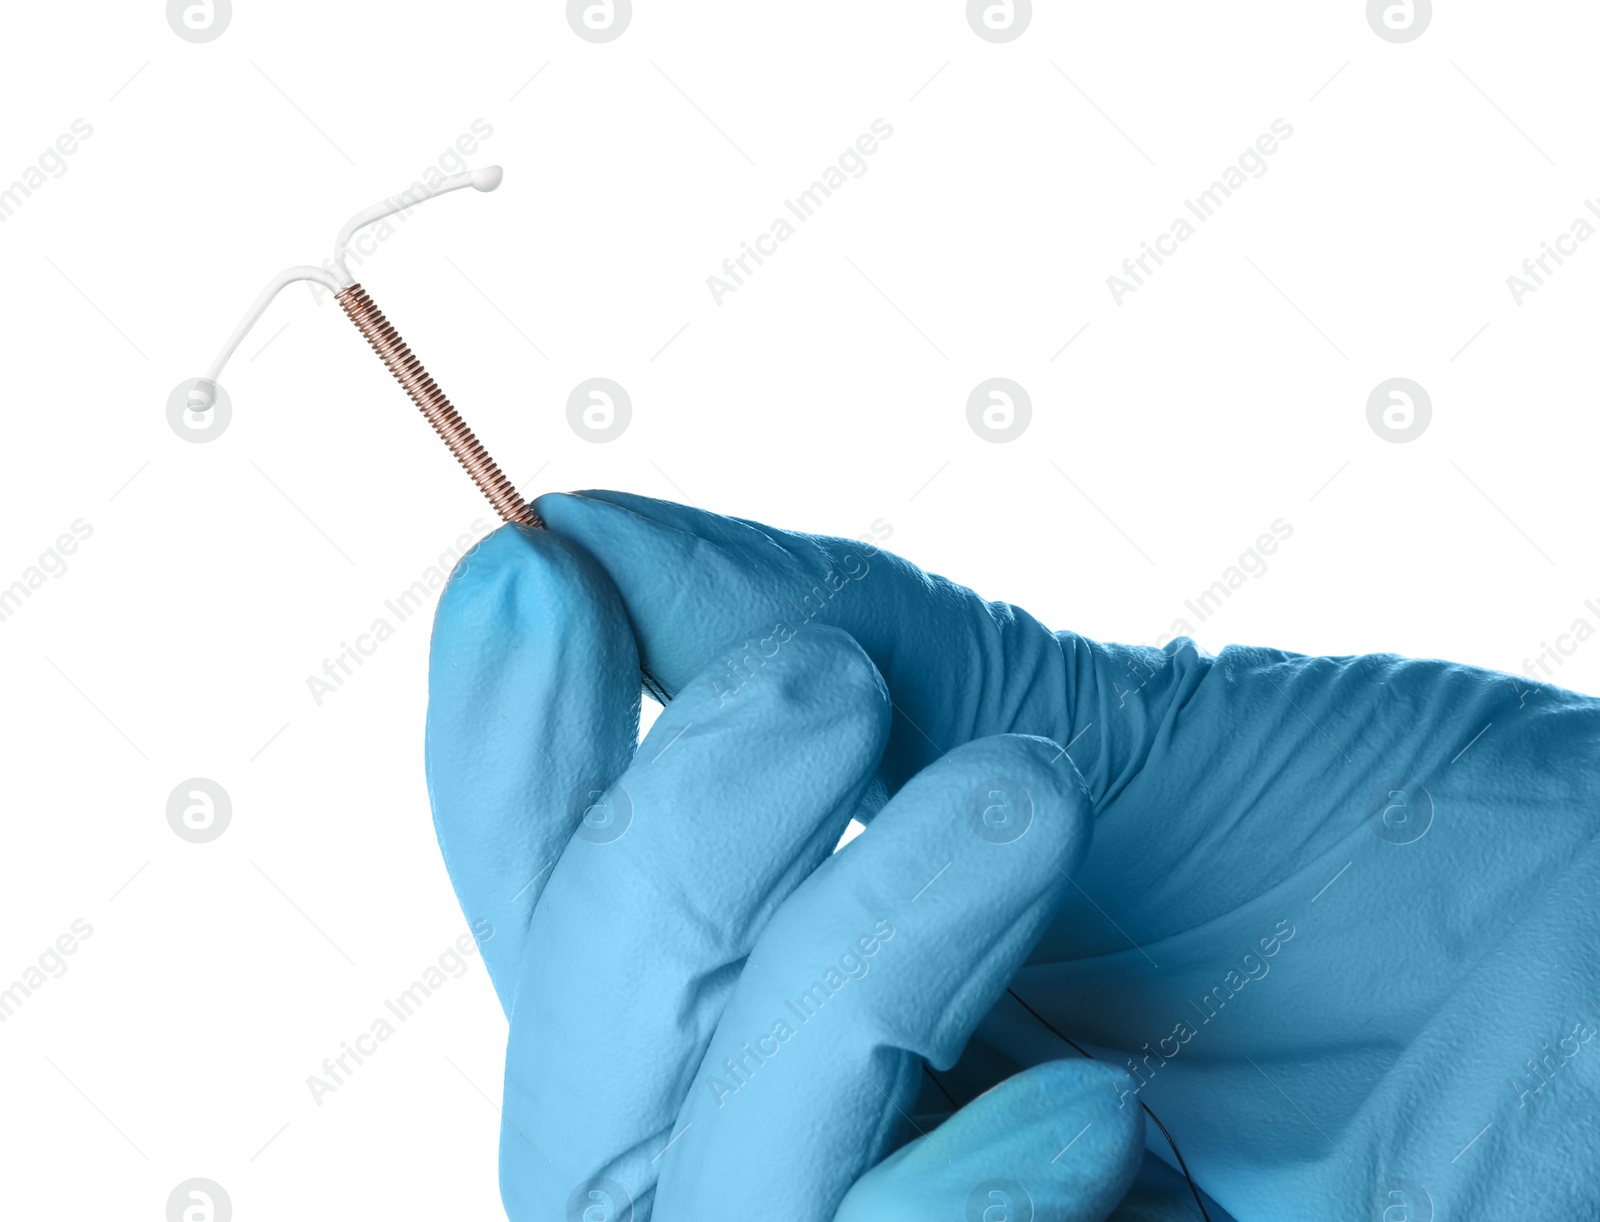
(1336, 920)
(646, 915)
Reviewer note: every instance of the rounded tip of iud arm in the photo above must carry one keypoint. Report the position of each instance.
(203, 395)
(488, 178)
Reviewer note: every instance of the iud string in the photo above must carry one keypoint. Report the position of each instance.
(1081, 1051)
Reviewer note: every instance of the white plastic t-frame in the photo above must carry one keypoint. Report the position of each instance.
(203, 396)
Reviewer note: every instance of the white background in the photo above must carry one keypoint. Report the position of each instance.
(829, 391)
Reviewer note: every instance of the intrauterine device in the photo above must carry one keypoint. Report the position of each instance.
(369, 320)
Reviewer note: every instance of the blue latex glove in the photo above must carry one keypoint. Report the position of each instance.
(1340, 940)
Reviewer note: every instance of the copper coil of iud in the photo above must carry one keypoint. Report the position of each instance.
(447, 422)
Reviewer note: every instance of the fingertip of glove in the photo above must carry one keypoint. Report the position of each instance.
(824, 662)
(1062, 1140)
(580, 513)
(1107, 1095)
(514, 580)
(1100, 1100)
(796, 686)
(630, 540)
(499, 559)
(1019, 785)
(1103, 1103)
(602, 519)
(825, 672)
